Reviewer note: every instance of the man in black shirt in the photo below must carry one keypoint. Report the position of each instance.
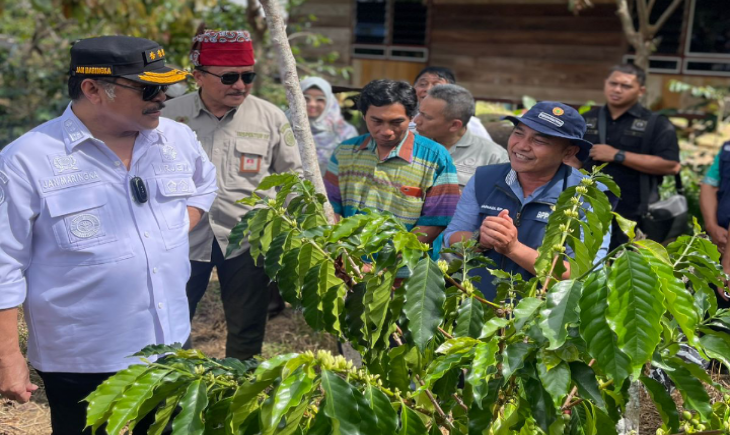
(617, 131)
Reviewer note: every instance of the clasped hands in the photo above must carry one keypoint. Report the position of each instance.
(499, 233)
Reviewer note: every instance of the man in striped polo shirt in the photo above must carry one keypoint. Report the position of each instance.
(392, 169)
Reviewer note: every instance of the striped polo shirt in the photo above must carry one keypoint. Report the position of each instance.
(416, 182)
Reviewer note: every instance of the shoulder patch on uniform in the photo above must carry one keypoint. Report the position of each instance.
(288, 134)
(639, 125)
(169, 152)
(63, 164)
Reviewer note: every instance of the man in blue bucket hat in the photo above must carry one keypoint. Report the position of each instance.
(506, 207)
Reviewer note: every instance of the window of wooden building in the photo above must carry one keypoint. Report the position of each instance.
(391, 29)
(693, 42)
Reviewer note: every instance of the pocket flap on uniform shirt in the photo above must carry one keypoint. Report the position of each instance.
(252, 146)
(75, 200)
(170, 187)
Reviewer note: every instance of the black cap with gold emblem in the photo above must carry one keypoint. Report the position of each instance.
(136, 59)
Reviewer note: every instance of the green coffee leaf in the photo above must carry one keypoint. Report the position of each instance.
(716, 345)
(470, 319)
(525, 310)
(287, 395)
(410, 422)
(693, 392)
(635, 307)
(513, 357)
(424, 301)
(192, 405)
(601, 340)
(104, 397)
(164, 413)
(555, 379)
(126, 409)
(663, 402)
(585, 379)
(376, 301)
(382, 408)
(561, 309)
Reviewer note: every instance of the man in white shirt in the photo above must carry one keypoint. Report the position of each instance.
(442, 116)
(436, 75)
(95, 209)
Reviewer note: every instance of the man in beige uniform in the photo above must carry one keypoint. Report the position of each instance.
(247, 139)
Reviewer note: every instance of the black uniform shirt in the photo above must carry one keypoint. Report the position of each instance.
(627, 133)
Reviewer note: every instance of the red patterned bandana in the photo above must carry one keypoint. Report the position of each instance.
(224, 48)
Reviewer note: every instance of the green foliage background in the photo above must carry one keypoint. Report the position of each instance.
(36, 35)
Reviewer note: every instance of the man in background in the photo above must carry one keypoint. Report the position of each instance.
(436, 75)
(618, 131)
(392, 169)
(443, 115)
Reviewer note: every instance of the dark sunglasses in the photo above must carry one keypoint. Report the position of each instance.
(232, 77)
(149, 92)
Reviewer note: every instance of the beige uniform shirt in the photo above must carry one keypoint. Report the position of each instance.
(472, 151)
(248, 144)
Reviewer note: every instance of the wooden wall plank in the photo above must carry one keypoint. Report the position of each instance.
(366, 70)
(441, 52)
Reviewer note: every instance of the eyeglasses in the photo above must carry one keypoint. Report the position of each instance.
(231, 78)
(149, 92)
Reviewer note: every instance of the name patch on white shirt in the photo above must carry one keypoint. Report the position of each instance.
(66, 181)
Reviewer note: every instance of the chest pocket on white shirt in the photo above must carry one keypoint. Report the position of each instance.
(171, 209)
(84, 222)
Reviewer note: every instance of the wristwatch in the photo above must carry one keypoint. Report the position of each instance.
(619, 157)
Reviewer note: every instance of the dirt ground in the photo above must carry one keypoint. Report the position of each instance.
(287, 332)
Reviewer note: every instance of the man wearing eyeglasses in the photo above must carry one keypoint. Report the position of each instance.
(95, 209)
(247, 139)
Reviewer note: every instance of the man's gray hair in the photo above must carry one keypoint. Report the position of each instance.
(459, 102)
(109, 89)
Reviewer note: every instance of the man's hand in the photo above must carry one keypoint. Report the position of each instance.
(194, 214)
(603, 153)
(14, 378)
(500, 233)
(718, 235)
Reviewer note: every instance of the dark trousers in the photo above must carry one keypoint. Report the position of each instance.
(245, 295)
(65, 392)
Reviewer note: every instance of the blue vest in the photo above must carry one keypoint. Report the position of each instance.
(723, 192)
(493, 195)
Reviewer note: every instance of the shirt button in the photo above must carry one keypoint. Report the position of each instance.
(146, 234)
(159, 305)
(117, 163)
(154, 270)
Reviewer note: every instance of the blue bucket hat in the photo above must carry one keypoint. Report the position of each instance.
(559, 120)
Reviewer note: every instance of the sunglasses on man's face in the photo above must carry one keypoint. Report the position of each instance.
(149, 92)
(231, 78)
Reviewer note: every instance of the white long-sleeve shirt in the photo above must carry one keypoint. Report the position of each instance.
(99, 275)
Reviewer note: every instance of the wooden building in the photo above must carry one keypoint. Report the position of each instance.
(504, 49)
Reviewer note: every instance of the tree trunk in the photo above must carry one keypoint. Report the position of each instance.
(295, 97)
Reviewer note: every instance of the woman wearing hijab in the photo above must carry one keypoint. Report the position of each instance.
(329, 128)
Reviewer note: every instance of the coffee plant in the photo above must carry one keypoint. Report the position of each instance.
(547, 356)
